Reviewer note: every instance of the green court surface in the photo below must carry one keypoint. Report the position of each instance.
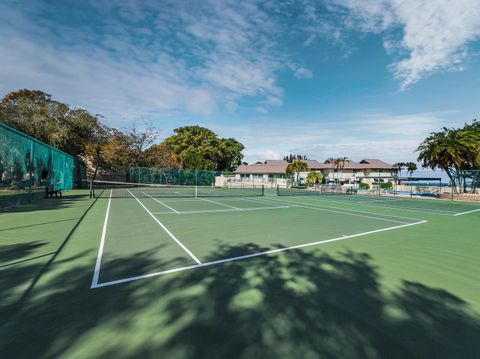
(249, 277)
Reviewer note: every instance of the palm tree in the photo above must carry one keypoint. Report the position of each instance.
(411, 167)
(451, 150)
(399, 166)
(339, 162)
(314, 178)
(295, 168)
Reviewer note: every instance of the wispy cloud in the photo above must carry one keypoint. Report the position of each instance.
(134, 58)
(392, 137)
(432, 34)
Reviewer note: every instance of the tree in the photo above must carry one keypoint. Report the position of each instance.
(411, 167)
(96, 148)
(290, 158)
(139, 139)
(452, 150)
(200, 148)
(36, 114)
(399, 166)
(295, 168)
(229, 155)
(161, 155)
(338, 162)
(314, 178)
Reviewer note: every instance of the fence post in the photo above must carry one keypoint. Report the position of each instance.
(31, 169)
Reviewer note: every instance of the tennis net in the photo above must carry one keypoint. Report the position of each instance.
(312, 191)
(106, 189)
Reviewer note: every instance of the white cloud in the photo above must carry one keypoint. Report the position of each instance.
(138, 58)
(434, 33)
(262, 155)
(391, 137)
(387, 150)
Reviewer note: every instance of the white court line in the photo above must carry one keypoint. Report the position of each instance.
(206, 211)
(461, 214)
(265, 201)
(166, 229)
(163, 204)
(345, 209)
(232, 259)
(211, 201)
(221, 204)
(382, 200)
(444, 213)
(303, 205)
(96, 272)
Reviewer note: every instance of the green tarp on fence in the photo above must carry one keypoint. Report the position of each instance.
(28, 165)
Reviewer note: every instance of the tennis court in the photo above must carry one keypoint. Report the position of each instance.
(433, 205)
(183, 226)
(190, 271)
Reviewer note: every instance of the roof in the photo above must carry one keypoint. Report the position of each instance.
(262, 168)
(276, 162)
(278, 166)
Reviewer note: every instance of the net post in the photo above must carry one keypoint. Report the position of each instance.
(263, 190)
(90, 185)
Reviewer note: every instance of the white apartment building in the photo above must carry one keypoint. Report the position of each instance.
(272, 172)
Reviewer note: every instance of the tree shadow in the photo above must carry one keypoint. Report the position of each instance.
(296, 304)
(69, 199)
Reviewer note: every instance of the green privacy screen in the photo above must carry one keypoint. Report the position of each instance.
(27, 165)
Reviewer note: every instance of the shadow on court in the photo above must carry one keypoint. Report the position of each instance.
(293, 305)
(70, 199)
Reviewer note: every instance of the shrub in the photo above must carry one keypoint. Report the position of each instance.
(386, 185)
(363, 186)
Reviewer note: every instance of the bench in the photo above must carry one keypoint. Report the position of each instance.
(51, 191)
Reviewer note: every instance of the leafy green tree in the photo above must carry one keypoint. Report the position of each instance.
(452, 150)
(36, 114)
(294, 169)
(364, 186)
(200, 148)
(161, 155)
(229, 155)
(314, 178)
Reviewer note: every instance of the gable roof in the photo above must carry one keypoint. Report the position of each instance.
(262, 168)
(278, 166)
(276, 162)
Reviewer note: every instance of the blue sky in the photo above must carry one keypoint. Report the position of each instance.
(362, 79)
